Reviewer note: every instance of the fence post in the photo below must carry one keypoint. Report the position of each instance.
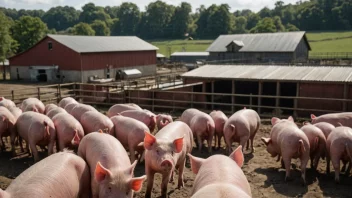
(259, 98)
(38, 92)
(59, 96)
(192, 98)
(173, 101)
(250, 101)
(153, 96)
(212, 96)
(13, 95)
(108, 95)
(295, 114)
(278, 113)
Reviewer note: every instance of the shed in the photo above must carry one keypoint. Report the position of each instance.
(160, 58)
(80, 57)
(294, 90)
(189, 57)
(281, 47)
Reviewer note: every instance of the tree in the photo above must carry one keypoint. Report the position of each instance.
(83, 29)
(91, 13)
(221, 21)
(252, 20)
(115, 31)
(100, 28)
(182, 20)
(61, 18)
(265, 12)
(28, 30)
(291, 28)
(240, 25)
(278, 24)
(265, 25)
(7, 46)
(129, 16)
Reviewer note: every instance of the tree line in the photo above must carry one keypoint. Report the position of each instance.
(23, 28)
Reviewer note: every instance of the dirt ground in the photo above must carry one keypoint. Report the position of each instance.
(264, 174)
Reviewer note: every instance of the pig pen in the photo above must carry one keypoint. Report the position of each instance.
(264, 174)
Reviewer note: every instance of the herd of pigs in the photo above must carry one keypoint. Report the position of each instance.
(103, 168)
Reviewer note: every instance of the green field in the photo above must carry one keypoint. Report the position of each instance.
(320, 42)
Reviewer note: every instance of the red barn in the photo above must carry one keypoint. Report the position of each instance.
(77, 58)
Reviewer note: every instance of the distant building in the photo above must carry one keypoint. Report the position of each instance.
(160, 58)
(78, 58)
(189, 57)
(282, 47)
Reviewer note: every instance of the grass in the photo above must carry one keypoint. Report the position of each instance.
(320, 42)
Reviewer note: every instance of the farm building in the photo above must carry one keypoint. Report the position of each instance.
(80, 58)
(160, 58)
(282, 47)
(189, 57)
(292, 90)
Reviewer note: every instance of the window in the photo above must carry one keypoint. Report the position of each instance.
(50, 45)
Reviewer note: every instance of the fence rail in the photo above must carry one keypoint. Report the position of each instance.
(330, 55)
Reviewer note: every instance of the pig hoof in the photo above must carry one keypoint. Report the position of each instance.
(179, 186)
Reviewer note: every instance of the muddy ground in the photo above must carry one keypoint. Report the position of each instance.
(264, 174)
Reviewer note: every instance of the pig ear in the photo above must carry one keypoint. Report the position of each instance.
(312, 116)
(274, 120)
(136, 183)
(306, 123)
(237, 156)
(196, 163)
(178, 144)
(100, 131)
(130, 170)
(101, 172)
(76, 139)
(291, 119)
(149, 140)
(266, 141)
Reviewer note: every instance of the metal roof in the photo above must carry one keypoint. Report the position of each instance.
(158, 55)
(88, 44)
(190, 54)
(262, 42)
(273, 73)
(132, 72)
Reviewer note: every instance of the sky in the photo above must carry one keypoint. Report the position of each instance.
(254, 5)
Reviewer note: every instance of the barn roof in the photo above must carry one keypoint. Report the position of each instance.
(190, 54)
(272, 73)
(262, 42)
(89, 44)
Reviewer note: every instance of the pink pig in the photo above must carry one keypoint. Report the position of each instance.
(219, 119)
(130, 132)
(339, 147)
(166, 151)
(6, 103)
(288, 141)
(202, 126)
(241, 127)
(36, 129)
(33, 104)
(95, 121)
(70, 106)
(220, 191)
(49, 107)
(147, 117)
(110, 168)
(317, 142)
(55, 111)
(162, 120)
(336, 119)
(325, 127)
(227, 172)
(66, 101)
(62, 175)
(16, 112)
(119, 108)
(7, 128)
(69, 131)
(80, 109)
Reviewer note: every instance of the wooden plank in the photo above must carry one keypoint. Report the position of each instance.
(295, 105)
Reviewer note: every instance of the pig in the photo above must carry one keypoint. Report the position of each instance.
(66, 101)
(317, 142)
(49, 107)
(202, 126)
(16, 112)
(241, 127)
(119, 108)
(162, 120)
(7, 128)
(339, 147)
(70, 106)
(60, 175)
(33, 104)
(36, 129)
(110, 168)
(94, 120)
(80, 109)
(130, 132)
(219, 119)
(325, 127)
(6, 103)
(55, 111)
(219, 169)
(165, 152)
(69, 131)
(146, 117)
(336, 119)
(288, 141)
(220, 191)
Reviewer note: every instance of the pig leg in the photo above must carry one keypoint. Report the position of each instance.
(247, 148)
(132, 154)
(287, 162)
(51, 147)
(210, 146)
(180, 174)
(304, 162)
(336, 164)
(348, 171)
(2, 144)
(34, 151)
(200, 143)
(219, 141)
(252, 146)
(165, 181)
(316, 161)
(13, 150)
(327, 164)
(20, 143)
(150, 182)
(243, 141)
(172, 177)
(216, 140)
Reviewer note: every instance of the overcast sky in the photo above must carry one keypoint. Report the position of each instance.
(255, 5)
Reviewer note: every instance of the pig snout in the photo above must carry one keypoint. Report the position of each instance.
(166, 164)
